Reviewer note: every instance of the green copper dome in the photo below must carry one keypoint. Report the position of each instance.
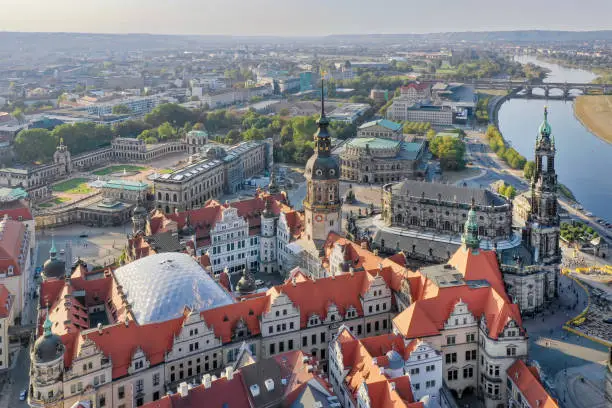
(545, 130)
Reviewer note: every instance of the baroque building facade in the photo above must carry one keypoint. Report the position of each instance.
(381, 160)
(222, 170)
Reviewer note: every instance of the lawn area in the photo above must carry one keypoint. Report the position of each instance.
(117, 169)
(73, 186)
(55, 201)
(166, 171)
(495, 92)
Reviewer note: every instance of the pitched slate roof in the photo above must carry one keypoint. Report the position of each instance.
(447, 192)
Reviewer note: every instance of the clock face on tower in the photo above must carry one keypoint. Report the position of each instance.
(318, 218)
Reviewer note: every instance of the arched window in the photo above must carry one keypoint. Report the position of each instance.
(174, 198)
(431, 223)
(159, 196)
(167, 197)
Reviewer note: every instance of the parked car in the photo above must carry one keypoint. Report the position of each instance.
(22, 395)
(259, 282)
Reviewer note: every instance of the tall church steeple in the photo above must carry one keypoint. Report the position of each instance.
(322, 202)
(543, 223)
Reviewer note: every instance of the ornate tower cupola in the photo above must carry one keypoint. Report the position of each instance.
(470, 231)
(322, 202)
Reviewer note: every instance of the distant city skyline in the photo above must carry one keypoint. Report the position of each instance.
(303, 18)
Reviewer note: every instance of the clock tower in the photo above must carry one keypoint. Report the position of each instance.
(322, 208)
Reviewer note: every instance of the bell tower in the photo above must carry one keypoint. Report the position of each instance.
(543, 222)
(322, 203)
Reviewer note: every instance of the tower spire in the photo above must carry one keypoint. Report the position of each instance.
(47, 325)
(322, 138)
(53, 250)
(470, 231)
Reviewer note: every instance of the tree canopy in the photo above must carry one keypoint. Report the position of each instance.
(450, 150)
(32, 145)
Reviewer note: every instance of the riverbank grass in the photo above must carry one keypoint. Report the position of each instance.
(595, 113)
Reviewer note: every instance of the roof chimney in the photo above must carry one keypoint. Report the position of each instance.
(254, 390)
(229, 373)
(183, 389)
(206, 381)
(269, 383)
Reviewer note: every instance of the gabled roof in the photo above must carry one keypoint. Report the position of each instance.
(203, 219)
(121, 340)
(426, 316)
(223, 319)
(530, 386)
(361, 369)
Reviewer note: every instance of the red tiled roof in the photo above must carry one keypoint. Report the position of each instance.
(419, 86)
(11, 242)
(16, 213)
(204, 219)
(5, 302)
(360, 363)
(479, 265)
(426, 316)
(121, 340)
(530, 386)
(223, 319)
(222, 391)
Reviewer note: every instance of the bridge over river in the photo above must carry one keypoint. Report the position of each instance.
(566, 88)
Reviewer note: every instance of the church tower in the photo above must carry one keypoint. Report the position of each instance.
(139, 217)
(322, 203)
(543, 222)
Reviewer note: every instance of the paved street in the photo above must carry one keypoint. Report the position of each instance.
(9, 394)
(555, 349)
(101, 246)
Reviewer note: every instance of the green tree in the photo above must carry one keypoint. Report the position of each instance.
(18, 114)
(129, 128)
(431, 134)
(528, 170)
(284, 112)
(170, 112)
(450, 150)
(148, 134)
(121, 110)
(33, 145)
(165, 131)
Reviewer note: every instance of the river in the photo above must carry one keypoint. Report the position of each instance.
(583, 161)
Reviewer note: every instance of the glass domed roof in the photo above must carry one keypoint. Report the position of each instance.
(160, 286)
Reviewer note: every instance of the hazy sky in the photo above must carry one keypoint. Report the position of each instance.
(293, 17)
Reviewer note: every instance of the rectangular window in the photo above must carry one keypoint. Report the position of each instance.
(314, 339)
(155, 395)
(368, 327)
(281, 346)
(322, 354)
(450, 340)
(323, 337)
(385, 324)
(290, 344)
(304, 341)
(121, 392)
(468, 372)
(452, 375)
(417, 386)
(272, 348)
(359, 330)
(470, 337)
(451, 358)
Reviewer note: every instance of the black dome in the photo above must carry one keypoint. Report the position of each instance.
(246, 284)
(320, 167)
(54, 268)
(48, 348)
